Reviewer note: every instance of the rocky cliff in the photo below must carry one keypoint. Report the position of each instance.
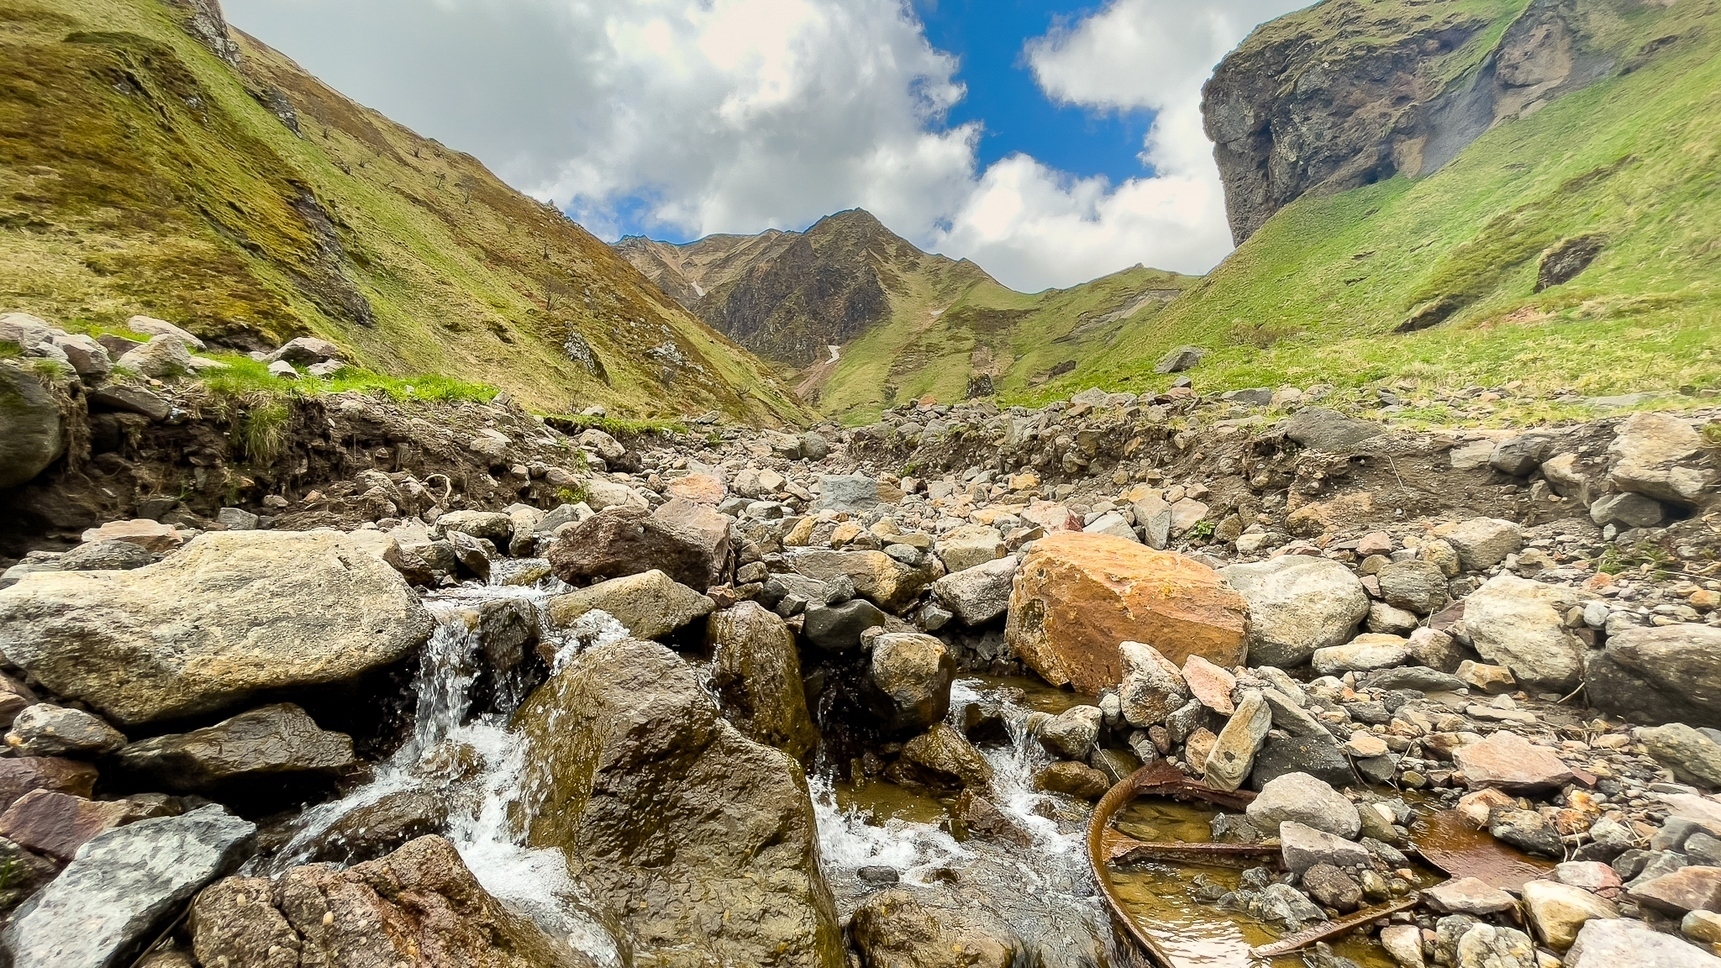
(1348, 93)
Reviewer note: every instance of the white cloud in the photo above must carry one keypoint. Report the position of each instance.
(739, 115)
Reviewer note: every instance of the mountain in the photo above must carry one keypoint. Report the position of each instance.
(1459, 193)
(870, 320)
(154, 161)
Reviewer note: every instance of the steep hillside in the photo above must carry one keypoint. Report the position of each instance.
(152, 161)
(1594, 132)
(871, 320)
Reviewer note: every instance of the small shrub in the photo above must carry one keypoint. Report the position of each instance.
(263, 430)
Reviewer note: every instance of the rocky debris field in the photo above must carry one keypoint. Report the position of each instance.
(247, 708)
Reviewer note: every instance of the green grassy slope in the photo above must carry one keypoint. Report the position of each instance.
(1316, 295)
(140, 173)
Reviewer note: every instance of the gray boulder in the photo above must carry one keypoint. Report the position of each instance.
(908, 682)
(162, 358)
(267, 743)
(35, 434)
(230, 615)
(305, 351)
(1416, 586)
(1659, 675)
(1617, 942)
(1482, 543)
(1297, 604)
(122, 888)
(48, 730)
(1300, 798)
(1320, 429)
(1520, 624)
(853, 493)
(1627, 511)
(1180, 359)
(1661, 456)
(979, 594)
(651, 605)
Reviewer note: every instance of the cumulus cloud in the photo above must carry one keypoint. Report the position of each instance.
(702, 116)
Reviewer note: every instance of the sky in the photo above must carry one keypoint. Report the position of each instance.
(1051, 142)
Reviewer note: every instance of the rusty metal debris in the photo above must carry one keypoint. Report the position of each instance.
(1333, 929)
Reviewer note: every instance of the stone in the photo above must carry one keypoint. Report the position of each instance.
(1297, 605)
(602, 495)
(651, 605)
(1591, 876)
(1659, 675)
(1661, 456)
(878, 577)
(1520, 456)
(979, 594)
(1179, 360)
(1389, 620)
(1491, 946)
(1152, 688)
(232, 614)
(1333, 887)
(1077, 780)
(907, 687)
(1154, 515)
(162, 358)
(15, 697)
(1325, 430)
(1687, 889)
(106, 556)
(625, 753)
(1403, 943)
(756, 672)
(943, 758)
(1300, 798)
(417, 906)
(35, 429)
(1482, 543)
(1072, 733)
(57, 824)
(19, 776)
(1614, 943)
(1416, 586)
(1302, 847)
(1113, 523)
(129, 398)
(47, 730)
(1507, 761)
(686, 541)
(1469, 895)
(122, 889)
(976, 817)
(150, 326)
(486, 446)
(1691, 755)
(236, 519)
(1233, 756)
(305, 351)
(1491, 679)
(382, 826)
(851, 493)
(904, 928)
(267, 743)
(492, 526)
(1364, 653)
(1080, 595)
(1558, 911)
(1701, 926)
(1520, 624)
(1627, 511)
(1317, 754)
(151, 536)
(698, 488)
(1210, 684)
(838, 628)
(969, 546)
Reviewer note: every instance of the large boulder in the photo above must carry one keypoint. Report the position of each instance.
(418, 906)
(908, 682)
(686, 541)
(1080, 596)
(1659, 675)
(231, 615)
(1612, 943)
(1297, 604)
(268, 743)
(699, 843)
(1659, 455)
(877, 577)
(979, 594)
(650, 605)
(1520, 624)
(35, 434)
(757, 674)
(122, 889)
(918, 928)
(162, 358)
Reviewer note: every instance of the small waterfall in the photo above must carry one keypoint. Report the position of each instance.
(536, 883)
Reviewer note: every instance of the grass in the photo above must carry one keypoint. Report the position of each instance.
(140, 174)
(10, 350)
(245, 377)
(1635, 158)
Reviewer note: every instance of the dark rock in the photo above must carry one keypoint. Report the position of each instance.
(1659, 675)
(838, 628)
(943, 759)
(1317, 755)
(1077, 780)
(757, 674)
(1327, 430)
(268, 743)
(1332, 887)
(683, 543)
(977, 817)
(1567, 259)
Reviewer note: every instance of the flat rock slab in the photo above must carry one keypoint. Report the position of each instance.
(1468, 895)
(271, 741)
(1507, 761)
(1620, 943)
(120, 889)
(1686, 889)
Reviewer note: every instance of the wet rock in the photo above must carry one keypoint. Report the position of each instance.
(1660, 456)
(492, 526)
(1152, 688)
(1491, 946)
(1297, 605)
(122, 888)
(908, 682)
(979, 594)
(838, 628)
(1507, 761)
(625, 754)
(942, 757)
(878, 577)
(379, 828)
(231, 615)
(757, 674)
(1080, 595)
(35, 430)
(1528, 831)
(21, 776)
(1300, 798)
(910, 928)
(1233, 756)
(1520, 624)
(1072, 733)
(1692, 756)
(1659, 675)
(1332, 887)
(419, 905)
(1278, 904)
(271, 742)
(1609, 944)
(47, 730)
(57, 824)
(651, 605)
(976, 816)
(1558, 911)
(686, 541)
(1076, 780)
(1416, 586)
(969, 546)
